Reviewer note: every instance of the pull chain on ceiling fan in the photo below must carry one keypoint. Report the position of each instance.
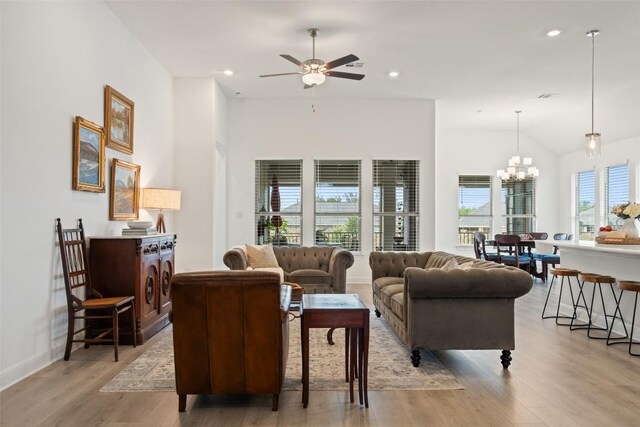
(314, 71)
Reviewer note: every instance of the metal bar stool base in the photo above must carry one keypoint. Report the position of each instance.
(632, 287)
(568, 274)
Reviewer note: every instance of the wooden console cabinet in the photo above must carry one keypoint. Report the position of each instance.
(141, 266)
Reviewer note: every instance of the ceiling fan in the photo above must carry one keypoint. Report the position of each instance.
(315, 70)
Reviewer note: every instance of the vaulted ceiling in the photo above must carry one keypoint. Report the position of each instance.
(480, 60)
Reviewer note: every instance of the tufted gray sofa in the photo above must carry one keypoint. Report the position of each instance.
(318, 269)
(433, 309)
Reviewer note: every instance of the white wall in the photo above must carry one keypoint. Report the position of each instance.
(483, 153)
(56, 59)
(200, 162)
(613, 154)
(339, 129)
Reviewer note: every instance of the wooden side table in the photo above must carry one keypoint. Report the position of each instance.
(338, 311)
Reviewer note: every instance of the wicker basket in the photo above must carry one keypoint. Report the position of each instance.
(618, 240)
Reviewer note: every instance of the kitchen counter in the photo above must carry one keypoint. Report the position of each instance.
(619, 261)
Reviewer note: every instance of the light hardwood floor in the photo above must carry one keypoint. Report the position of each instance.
(557, 377)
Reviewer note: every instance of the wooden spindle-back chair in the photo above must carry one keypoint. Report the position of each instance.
(77, 278)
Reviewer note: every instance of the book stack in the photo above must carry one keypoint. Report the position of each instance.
(139, 231)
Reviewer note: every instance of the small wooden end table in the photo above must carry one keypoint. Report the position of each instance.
(338, 311)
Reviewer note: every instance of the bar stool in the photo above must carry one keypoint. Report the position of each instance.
(568, 273)
(597, 280)
(631, 286)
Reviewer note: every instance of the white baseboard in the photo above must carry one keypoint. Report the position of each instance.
(30, 366)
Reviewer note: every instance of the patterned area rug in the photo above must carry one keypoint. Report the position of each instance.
(389, 365)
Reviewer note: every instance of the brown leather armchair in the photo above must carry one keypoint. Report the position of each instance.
(230, 333)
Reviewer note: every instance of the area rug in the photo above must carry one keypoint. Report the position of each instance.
(389, 365)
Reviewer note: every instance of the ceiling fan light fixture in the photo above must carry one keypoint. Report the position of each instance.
(313, 78)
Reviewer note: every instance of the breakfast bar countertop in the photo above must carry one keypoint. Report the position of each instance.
(628, 250)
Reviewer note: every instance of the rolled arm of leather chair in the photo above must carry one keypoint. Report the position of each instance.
(235, 259)
(340, 261)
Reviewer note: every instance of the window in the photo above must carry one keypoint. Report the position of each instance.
(519, 206)
(337, 210)
(616, 188)
(395, 205)
(585, 204)
(278, 204)
(475, 211)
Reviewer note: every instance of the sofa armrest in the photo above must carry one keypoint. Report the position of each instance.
(235, 259)
(285, 301)
(475, 283)
(340, 260)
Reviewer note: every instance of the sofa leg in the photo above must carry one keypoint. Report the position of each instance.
(182, 402)
(506, 358)
(415, 358)
(378, 314)
(274, 404)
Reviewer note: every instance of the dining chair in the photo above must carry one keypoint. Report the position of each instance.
(509, 252)
(554, 258)
(480, 249)
(83, 301)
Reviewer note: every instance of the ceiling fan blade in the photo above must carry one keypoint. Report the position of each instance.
(308, 86)
(342, 75)
(341, 61)
(280, 74)
(292, 59)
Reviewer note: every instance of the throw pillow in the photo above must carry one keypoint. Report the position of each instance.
(466, 266)
(261, 256)
(437, 260)
(450, 265)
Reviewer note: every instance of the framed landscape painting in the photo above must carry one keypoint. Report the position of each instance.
(88, 156)
(125, 191)
(118, 120)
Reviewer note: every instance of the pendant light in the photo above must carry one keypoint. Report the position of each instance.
(519, 168)
(592, 149)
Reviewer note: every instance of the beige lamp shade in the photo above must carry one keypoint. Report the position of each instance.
(161, 198)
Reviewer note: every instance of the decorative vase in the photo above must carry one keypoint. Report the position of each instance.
(630, 228)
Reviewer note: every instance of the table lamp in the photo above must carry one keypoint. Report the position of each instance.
(162, 199)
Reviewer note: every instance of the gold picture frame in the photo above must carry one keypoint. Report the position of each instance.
(124, 197)
(88, 156)
(118, 120)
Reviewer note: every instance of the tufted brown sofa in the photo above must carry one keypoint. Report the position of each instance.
(318, 269)
(433, 309)
(230, 333)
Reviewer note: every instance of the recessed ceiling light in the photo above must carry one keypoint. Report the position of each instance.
(393, 74)
(228, 72)
(554, 33)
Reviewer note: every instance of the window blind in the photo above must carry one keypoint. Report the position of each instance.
(519, 206)
(396, 189)
(337, 203)
(475, 211)
(278, 202)
(585, 204)
(616, 189)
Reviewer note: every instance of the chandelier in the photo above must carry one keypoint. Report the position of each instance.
(592, 149)
(519, 167)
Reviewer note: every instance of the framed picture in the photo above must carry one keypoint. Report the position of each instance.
(88, 156)
(125, 191)
(118, 120)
